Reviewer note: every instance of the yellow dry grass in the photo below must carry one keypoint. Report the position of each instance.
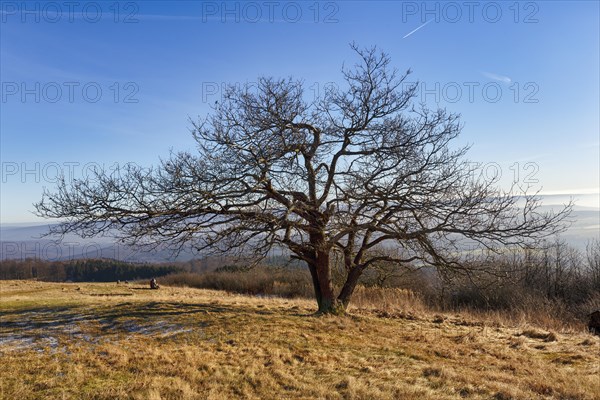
(109, 341)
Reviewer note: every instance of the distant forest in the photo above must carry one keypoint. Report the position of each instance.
(86, 270)
(109, 270)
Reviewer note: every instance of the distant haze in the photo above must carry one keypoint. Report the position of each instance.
(23, 240)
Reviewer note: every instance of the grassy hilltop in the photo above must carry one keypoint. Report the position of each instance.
(109, 341)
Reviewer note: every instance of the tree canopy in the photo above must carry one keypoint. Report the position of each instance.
(360, 169)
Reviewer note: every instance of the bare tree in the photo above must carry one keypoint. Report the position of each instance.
(359, 167)
(593, 263)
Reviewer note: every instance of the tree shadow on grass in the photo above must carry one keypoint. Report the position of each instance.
(116, 317)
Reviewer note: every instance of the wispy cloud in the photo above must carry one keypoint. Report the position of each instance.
(496, 77)
(582, 197)
(571, 191)
(414, 30)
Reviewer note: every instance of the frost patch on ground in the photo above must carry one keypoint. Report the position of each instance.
(43, 330)
(19, 342)
(16, 342)
(176, 332)
(160, 328)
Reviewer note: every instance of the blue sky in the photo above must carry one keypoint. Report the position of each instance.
(114, 82)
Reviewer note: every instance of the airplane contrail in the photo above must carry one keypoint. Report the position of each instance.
(414, 30)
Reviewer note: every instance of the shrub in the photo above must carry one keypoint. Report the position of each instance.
(267, 281)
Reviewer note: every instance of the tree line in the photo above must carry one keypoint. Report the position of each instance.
(553, 273)
(85, 270)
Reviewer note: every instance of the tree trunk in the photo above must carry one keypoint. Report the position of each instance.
(321, 274)
(349, 286)
(328, 303)
(315, 279)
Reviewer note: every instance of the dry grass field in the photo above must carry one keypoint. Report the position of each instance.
(109, 341)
